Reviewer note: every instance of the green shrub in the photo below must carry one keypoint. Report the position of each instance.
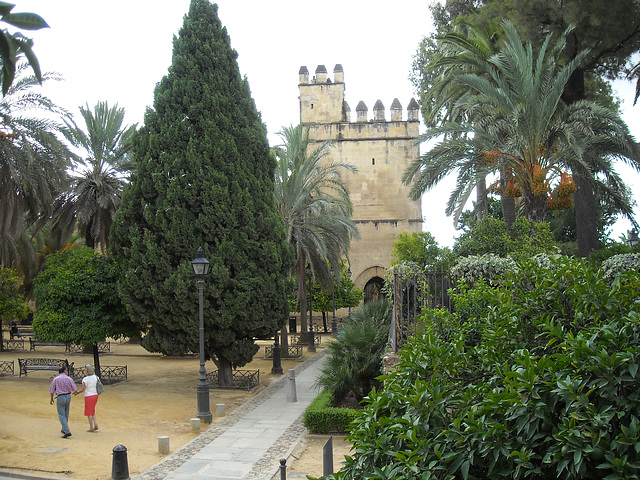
(355, 356)
(13, 307)
(552, 389)
(321, 417)
(520, 242)
(597, 257)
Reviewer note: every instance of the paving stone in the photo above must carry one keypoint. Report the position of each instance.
(248, 443)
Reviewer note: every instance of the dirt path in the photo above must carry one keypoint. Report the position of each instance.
(159, 398)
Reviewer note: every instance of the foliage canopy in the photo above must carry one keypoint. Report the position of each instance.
(204, 177)
(77, 300)
(549, 388)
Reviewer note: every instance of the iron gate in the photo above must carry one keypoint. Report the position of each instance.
(415, 289)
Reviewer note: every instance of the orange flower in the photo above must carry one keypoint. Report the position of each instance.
(560, 203)
(491, 157)
(495, 187)
(567, 185)
(513, 189)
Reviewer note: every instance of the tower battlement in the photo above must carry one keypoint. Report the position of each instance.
(381, 148)
(322, 100)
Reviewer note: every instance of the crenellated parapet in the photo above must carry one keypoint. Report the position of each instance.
(322, 101)
(380, 144)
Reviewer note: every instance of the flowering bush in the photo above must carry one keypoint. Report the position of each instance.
(614, 266)
(551, 390)
(488, 267)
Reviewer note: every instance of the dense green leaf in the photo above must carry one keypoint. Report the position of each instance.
(26, 21)
(544, 391)
(204, 177)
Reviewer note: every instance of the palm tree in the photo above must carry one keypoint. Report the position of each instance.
(97, 195)
(516, 115)
(314, 202)
(463, 50)
(33, 167)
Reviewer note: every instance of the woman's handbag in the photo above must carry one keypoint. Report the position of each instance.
(99, 386)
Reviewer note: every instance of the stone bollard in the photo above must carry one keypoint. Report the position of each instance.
(120, 464)
(195, 425)
(163, 445)
(292, 396)
(220, 410)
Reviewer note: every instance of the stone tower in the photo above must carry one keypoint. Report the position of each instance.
(381, 150)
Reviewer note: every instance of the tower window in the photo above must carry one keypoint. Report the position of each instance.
(312, 106)
(373, 161)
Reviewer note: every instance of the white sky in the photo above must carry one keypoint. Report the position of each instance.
(118, 50)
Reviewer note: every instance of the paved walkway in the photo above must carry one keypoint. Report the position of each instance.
(248, 443)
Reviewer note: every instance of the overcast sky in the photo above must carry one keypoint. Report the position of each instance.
(118, 50)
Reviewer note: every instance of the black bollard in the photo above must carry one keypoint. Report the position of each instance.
(120, 465)
(283, 469)
(327, 457)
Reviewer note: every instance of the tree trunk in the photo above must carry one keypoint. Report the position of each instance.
(585, 212)
(508, 203)
(536, 207)
(225, 372)
(96, 359)
(284, 341)
(302, 301)
(583, 200)
(482, 205)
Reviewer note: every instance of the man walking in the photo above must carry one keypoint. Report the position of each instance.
(63, 386)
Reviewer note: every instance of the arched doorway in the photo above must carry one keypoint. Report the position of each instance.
(373, 289)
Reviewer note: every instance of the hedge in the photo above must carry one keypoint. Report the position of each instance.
(321, 417)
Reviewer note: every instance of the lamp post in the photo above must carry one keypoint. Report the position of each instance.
(276, 368)
(632, 237)
(201, 268)
(312, 340)
(334, 323)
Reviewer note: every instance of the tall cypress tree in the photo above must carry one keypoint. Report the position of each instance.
(204, 178)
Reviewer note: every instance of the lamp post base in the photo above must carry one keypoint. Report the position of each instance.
(204, 410)
(276, 369)
(312, 343)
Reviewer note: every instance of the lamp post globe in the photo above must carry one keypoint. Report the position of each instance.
(201, 268)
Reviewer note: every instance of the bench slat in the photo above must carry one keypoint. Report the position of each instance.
(26, 364)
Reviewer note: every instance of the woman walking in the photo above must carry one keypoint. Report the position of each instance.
(89, 383)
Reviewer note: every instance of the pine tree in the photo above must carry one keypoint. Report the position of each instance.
(204, 178)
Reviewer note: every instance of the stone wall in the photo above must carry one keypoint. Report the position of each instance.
(381, 150)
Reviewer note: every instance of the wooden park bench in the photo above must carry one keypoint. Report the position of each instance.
(52, 364)
(33, 343)
(19, 331)
(103, 347)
